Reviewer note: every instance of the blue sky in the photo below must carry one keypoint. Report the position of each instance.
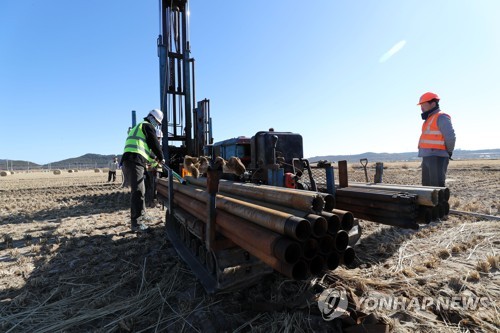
(345, 74)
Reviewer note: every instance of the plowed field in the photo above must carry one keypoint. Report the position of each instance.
(69, 263)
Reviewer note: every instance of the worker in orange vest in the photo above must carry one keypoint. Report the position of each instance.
(437, 141)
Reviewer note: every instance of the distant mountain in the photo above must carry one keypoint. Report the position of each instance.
(18, 165)
(458, 154)
(87, 161)
(91, 161)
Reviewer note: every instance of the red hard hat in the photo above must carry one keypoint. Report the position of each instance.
(428, 96)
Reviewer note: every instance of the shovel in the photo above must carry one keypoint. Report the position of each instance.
(364, 162)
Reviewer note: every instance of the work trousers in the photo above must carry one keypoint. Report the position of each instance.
(150, 188)
(135, 174)
(434, 170)
(111, 176)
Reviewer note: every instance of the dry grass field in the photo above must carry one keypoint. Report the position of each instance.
(68, 263)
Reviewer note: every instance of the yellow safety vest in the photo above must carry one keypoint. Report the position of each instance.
(136, 143)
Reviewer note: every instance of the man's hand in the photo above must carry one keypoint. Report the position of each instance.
(450, 154)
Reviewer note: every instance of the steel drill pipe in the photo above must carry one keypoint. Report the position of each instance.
(280, 222)
(316, 265)
(347, 257)
(341, 240)
(346, 218)
(310, 248)
(379, 211)
(326, 244)
(424, 214)
(264, 240)
(319, 225)
(396, 206)
(332, 261)
(329, 201)
(444, 192)
(426, 196)
(434, 213)
(297, 271)
(446, 206)
(441, 210)
(379, 195)
(333, 220)
(297, 199)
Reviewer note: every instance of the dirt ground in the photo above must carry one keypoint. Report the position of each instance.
(68, 263)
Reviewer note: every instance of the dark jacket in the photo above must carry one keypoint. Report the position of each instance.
(152, 141)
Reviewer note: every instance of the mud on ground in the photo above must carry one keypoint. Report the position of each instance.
(69, 263)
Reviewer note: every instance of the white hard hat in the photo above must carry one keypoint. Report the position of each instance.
(157, 114)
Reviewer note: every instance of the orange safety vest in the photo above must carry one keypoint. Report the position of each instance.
(431, 137)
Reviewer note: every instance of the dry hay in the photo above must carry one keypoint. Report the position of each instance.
(97, 170)
(57, 172)
(68, 263)
(4, 173)
(451, 259)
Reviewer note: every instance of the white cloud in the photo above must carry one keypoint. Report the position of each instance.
(395, 49)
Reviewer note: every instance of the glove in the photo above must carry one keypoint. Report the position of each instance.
(450, 154)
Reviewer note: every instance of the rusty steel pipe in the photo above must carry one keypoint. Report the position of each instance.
(424, 214)
(316, 265)
(346, 219)
(379, 195)
(347, 257)
(380, 211)
(332, 261)
(426, 196)
(310, 248)
(333, 220)
(446, 206)
(329, 201)
(443, 192)
(341, 240)
(296, 271)
(297, 199)
(264, 240)
(326, 244)
(280, 222)
(395, 206)
(319, 225)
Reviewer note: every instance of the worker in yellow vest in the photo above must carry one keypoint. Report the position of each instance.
(437, 141)
(141, 147)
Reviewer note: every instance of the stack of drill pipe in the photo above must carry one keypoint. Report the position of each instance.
(287, 239)
(297, 199)
(277, 251)
(324, 228)
(433, 201)
(380, 205)
(279, 200)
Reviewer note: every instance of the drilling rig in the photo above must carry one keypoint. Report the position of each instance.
(229, 239)
(280, 214)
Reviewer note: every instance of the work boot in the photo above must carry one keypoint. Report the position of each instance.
(139, 227)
